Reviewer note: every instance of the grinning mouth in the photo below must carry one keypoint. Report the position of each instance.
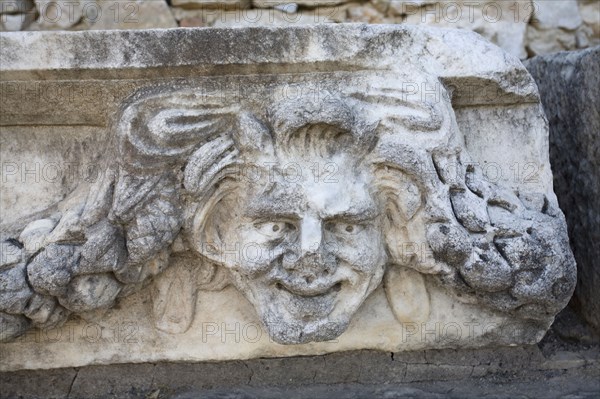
(315, 292)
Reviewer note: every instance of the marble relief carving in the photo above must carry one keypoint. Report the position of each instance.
(305, 205)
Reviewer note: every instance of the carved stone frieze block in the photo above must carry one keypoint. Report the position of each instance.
(272, 192)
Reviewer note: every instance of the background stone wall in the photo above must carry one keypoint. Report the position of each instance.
(523, 27)
(569, 85)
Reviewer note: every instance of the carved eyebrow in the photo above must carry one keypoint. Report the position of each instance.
(359, 214)
(264, 212)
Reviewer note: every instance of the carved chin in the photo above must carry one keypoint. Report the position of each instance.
(296, 331)
(295, 318)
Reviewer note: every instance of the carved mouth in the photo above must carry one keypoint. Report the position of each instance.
(318, 291)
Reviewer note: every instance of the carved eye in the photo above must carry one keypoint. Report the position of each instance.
(274, 229)
(342, 228)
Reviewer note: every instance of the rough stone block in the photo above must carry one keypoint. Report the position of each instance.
(122, 381)
(37, 384)
(225, 4)
(208, 375)
(430, 372)
(570, 92)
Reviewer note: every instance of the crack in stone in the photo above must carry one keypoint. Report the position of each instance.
(151, 387)
(72, 383)
(251, 372)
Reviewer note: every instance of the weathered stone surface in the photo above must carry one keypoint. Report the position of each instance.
(368, 13)
(102, 14)
(590, 13)
(557, 14)
(503, 23)
(570, 92)
(131, 15)
(234, 4)
(305, 3)
(103, 381)
(557, 24)
(484, 373)
(307, 191)
(266, 17)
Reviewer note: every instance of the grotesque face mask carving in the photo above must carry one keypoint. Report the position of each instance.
(308, 235)
(309, 252)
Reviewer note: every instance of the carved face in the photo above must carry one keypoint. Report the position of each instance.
(309, 244)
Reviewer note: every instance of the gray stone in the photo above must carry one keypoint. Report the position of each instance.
(590, 13)
(123, 381)
(570, 92)
(12, 253)
(305, 3)
(501, 22)
(496, 373)
(103, 14)
(428, 372)
(14, 290)
(550, 14)
(564, 360)
(57, 15)
(223, 4)
(34, 235)
(13, 325)
(138, 14)
(208, 375)
(36, 384)
(266, 17)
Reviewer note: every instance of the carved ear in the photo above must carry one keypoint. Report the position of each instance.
(402, 189)
(407, 294)
(403, 199)
(212, 173)
(207, 225)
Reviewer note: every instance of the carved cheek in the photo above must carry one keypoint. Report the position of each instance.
(256, 252)
(363, 252)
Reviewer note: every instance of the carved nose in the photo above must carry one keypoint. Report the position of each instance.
(309, 260)
(311, 236)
